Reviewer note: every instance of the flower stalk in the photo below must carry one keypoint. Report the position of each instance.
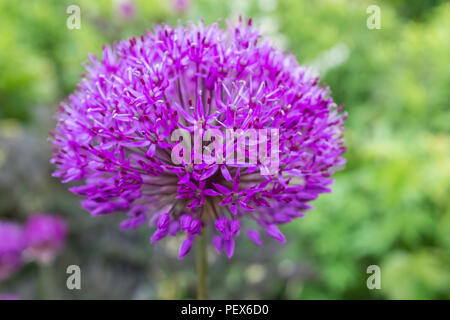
(201, 262)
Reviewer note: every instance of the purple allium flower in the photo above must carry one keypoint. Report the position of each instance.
(11, 246)
(114, 134)
(45, 237)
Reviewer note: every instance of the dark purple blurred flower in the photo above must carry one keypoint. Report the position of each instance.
(181, 6)
(11, 246)
(8, 296)
(126, 8)
(45, 237)
(114, 133)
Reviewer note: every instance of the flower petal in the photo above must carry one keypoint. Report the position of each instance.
(254, 236)
(133, 222)
(185, 247)
(228, 247)
(235, 226)
(209, 172)
(221, 224)
(185, 222)
(225, 173)
(211, 192)
(158, 235)
(217, 243)
(273, 231)
(222, 189)
(164, 221)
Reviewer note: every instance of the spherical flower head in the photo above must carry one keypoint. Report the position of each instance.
(11, 246)
(197, 126)
(45, 237)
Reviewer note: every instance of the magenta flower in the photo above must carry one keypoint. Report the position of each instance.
(45, 237)
(11, 246)
(181, 6)
(126, 8)
(115, 134)
(8, 296)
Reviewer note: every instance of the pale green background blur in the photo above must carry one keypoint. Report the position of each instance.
(389, 207)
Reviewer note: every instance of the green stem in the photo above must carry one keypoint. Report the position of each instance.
(201, 262)
(46, 282)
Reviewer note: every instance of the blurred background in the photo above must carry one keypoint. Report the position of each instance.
(389, 207)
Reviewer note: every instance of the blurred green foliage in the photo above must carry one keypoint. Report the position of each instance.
(389, 207)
